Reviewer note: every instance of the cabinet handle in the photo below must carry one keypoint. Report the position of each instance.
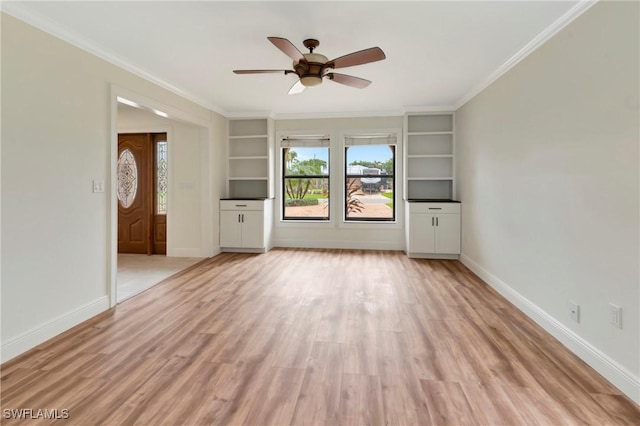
(435, 208)
(238, 218)
(243, 218)
(432, 221)
(241, 205)
(436, 221)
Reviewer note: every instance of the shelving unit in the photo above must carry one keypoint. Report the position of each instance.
(429, 156)
(250, 153)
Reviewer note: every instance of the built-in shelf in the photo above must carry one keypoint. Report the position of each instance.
(250, 152)
(429, 133)
(248, 137)
(429, 156)
(430, 178)
(248, 178)
(250, 157)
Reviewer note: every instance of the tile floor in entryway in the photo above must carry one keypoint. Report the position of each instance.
(138, 272)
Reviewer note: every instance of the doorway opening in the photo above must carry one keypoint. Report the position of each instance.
(177, 217)
(142, 184)
(142, 177)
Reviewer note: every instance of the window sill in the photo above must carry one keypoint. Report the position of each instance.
(370, 224)
(304, 223)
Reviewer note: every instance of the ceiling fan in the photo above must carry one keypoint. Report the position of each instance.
(311, 67)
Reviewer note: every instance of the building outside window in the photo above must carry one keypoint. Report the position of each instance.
(369, 177)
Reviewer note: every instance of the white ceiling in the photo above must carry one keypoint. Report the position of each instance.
(438, 53)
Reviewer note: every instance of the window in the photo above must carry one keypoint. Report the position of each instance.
(305, 178)
(127, 178)
(369, 178)
(161, 177)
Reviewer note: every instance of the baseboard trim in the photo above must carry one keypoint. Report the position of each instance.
(243, 250)
(186, 252)
(619, 376)
(353, 245)
(32, 338)
(433, 256)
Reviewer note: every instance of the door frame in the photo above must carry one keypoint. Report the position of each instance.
(169, 132)
(206, 183)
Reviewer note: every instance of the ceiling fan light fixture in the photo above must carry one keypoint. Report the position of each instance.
(312, 67)
(311, 80)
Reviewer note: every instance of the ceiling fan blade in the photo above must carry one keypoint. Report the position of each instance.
(287, 47)
(365, 56)
(296, 88)
(348, 80)
(262, 71)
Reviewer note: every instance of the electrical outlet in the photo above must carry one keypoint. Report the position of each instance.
(574, 311)
(615, 315)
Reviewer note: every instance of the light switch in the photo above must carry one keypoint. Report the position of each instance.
(98, 185)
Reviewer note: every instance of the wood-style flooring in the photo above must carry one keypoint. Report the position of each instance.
(317, 337)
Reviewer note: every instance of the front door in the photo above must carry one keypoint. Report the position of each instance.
(141, 207)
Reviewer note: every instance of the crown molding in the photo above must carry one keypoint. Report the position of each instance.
(249, 114)
(344, 114)
(442, 108)
(16, 9)
(528, 48)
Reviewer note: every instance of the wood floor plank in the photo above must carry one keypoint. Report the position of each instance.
(298, 339)
(449, 403)
(228, 394)
(491, 405)
(304, 336)
(107, 401)
(618, 408)
(361, 353)
(319, 399)
(335, 320)
(361, 400)
(402, 396)
(537, 407)
(277, 398)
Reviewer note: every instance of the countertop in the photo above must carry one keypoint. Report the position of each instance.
(431, 200)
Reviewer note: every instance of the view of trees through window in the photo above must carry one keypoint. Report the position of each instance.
(370, 182)
(306, 183)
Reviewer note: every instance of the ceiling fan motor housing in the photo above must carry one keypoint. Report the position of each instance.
(311, 69)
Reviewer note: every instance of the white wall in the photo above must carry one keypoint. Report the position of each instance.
(184, 230)
(338, 234)
(55, 140)
(218, 172)
(549, 183)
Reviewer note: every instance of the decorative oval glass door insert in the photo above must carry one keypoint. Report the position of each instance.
(127, 178)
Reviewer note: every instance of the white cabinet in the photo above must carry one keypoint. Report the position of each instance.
(250, 158)
(429, 156)
(245, 225)
(433, 230)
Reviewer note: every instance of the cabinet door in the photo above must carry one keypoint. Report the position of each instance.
(448, 234)
(230, 228)
(421, 233)
(252, 229)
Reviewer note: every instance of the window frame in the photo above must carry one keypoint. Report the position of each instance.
(397, 151)
(283, 177)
